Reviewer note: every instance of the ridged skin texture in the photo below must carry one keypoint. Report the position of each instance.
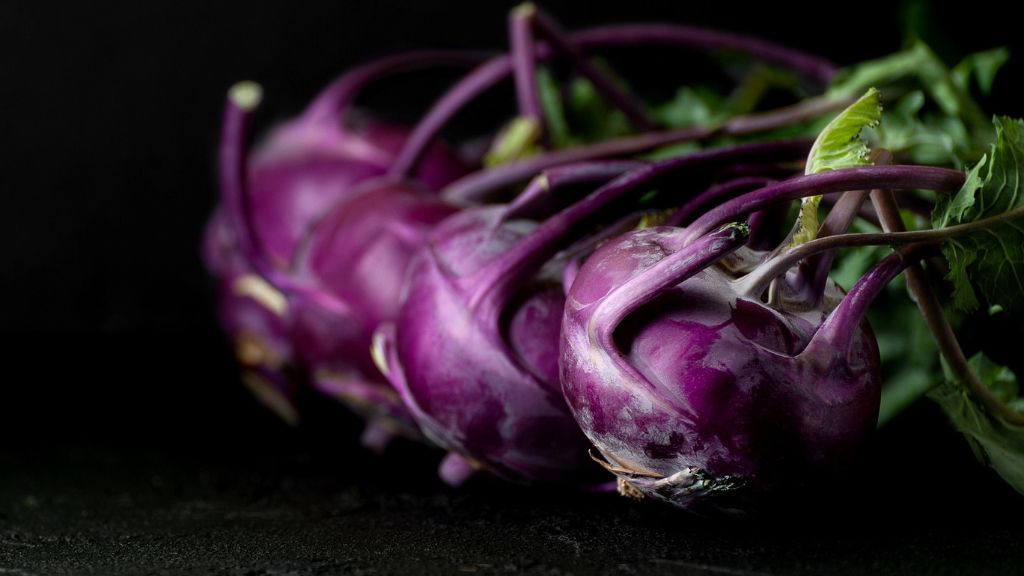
(704, 399)
(357, 259)
(304, 169)
(482, 383)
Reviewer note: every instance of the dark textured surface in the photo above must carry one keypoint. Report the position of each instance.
(105, 512)
(214, 485)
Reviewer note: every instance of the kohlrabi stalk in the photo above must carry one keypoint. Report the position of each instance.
(864, 178)
(500, 67)
(931, 309)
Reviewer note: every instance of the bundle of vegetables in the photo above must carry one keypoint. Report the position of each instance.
(645, 284)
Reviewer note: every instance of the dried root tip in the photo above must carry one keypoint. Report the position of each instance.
(255, 287)
(455, 469)
(628, 490)
(271, 397)
(247, 95)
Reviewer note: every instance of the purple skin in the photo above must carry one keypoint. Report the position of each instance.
(270, 202)
(347, 280)
(306, 167)
(481, 380)
(697, 393)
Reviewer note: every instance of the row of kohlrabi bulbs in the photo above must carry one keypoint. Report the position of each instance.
(635, 280)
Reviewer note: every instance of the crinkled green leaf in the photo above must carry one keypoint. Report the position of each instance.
(995, 442)
(982, 66)
(838, 146)
(989, 261)
(928, 72)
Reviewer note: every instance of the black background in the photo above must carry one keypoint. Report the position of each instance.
(109, 117)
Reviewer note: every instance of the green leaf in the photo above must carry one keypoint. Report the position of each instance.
(989, 261)
(838, 146)
(925, 71)
(554, 112)
(920, 136)
(995, 442)
(690, 107)
(518, 139)
(982, 66)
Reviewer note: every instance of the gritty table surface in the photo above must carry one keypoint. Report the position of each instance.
(276, 501)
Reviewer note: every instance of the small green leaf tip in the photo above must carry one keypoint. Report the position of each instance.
(839, 145)
(524, 10)
(247, 95)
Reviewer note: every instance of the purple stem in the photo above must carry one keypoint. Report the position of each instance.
(476, 185)
(833, 338)
(864, 177)
(669, 271)
(756, 282)
(528, 203)
(500, 278)
(604, 85)
(338, 96)
(837, 222)
(715, 195)
(242, 100)
(813, 273)
(524, 66)
(497, 69)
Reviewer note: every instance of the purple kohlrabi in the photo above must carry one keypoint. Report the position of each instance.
(474, 348)
(477, 367)
(699, 393)
(346, 281)
(310, 164)
(271, 201)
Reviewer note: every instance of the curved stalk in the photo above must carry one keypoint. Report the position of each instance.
(499, 280)
(498, 69)
(340, 94)
(714, 195)
(755, 283)
(540, 188)
(931, 309)
(864, 177)
(524, 67)
(242, 101)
